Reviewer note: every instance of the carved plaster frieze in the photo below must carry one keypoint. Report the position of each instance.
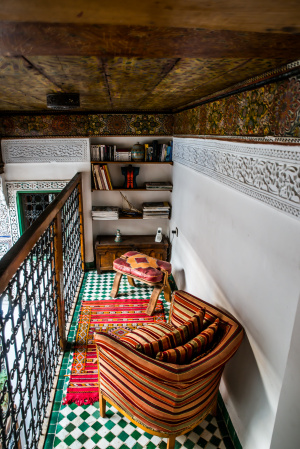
(45, 150)
(25, 186)
(268, 173)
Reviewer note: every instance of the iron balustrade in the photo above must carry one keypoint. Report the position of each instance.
(39, 277)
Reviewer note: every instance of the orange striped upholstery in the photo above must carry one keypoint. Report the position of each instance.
(165, 397)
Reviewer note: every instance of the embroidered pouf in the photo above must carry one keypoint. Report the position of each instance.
(146, 269)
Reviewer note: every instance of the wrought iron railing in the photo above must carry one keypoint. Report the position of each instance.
(39, 278)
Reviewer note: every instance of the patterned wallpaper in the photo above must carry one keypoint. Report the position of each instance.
(273, 109)
(86, 125)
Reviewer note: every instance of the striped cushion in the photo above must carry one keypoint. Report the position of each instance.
(182, 355)
(147, 334)
(177, 337)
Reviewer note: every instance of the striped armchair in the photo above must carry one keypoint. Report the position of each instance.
(166, 399)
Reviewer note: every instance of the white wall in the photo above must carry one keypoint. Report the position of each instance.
(239, 253)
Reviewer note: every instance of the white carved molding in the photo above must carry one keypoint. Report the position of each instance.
(45, 150)
(25, 186)
(256, 139)
(269, 173)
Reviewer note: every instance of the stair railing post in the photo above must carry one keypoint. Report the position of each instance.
(59, 274)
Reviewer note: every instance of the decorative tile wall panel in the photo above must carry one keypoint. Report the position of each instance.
(269, 173)
(45, 150)
(25, 186)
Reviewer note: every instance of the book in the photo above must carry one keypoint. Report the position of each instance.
(162, 205)
(159, 186)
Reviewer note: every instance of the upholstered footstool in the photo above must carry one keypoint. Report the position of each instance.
(146, 269)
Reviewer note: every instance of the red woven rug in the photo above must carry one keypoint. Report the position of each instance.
(115, 316)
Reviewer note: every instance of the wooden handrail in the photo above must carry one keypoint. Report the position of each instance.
(11, 261)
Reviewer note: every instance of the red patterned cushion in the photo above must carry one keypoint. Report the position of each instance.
(183, 354)
(146, 334)
(145, 267)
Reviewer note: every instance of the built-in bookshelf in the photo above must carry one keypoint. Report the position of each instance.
(147, 189)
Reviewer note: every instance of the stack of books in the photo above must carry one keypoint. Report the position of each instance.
(156, 210)
(101, 177)
(122, 155)
(159, 186)
(105, 213)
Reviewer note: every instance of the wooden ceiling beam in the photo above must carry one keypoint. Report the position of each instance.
(34, 38)
(273, 16)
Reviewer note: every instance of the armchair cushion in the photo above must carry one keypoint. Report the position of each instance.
(149, 341)
(145, 335)
(184, 354)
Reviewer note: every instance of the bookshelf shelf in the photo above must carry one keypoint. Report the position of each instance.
(123, 189)
(130, 162)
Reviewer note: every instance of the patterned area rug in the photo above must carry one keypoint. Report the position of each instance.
(116, 317)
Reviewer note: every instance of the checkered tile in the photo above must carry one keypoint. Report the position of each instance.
(78, 427)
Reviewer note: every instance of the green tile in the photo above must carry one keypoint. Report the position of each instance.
(70, 427)
(96, 414)
(96, 438)
(189, 444)
(54, 416)
(109, 437)
(56, 406)
(109, 424)
(96, 426)
(71, 416)
(49, 441)
(82, 439)
(84, 415)
(123, 436)
(84, 426)
(69, 440)
(122, 423)
(136, 435)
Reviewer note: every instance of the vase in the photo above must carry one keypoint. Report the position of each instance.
(138, 152)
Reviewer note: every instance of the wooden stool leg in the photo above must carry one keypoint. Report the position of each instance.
(167, 291)
(171, 442)
(102, 405)
(131, 281)
(153, 300)
(116, 285)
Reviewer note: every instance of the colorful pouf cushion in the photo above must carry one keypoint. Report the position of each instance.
(181, 355)
(142, 266)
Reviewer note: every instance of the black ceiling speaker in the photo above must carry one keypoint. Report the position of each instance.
(63, 101)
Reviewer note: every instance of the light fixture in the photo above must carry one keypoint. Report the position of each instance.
(63, 101)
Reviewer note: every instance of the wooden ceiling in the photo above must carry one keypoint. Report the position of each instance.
(139, 55)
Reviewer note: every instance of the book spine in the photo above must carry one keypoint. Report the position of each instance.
(99, 183)
(103, 174)
(94, 178)
(110, 187)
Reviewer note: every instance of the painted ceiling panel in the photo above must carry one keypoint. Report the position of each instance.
(193, 79)
(121, 83)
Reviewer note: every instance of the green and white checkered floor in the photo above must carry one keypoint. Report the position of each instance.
(77, 427)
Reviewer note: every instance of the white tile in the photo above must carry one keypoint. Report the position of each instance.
(76, 433)
(194, 437)
(129, 429)
(62, 445)
(130, 442)
(77, 421)
(143, 440)
(116, 443)
(76, 445)
(116, 430)
(62, 434)
(103, 431)
(89, 444)
(64, 422)
(90, 432)
(156, 440)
